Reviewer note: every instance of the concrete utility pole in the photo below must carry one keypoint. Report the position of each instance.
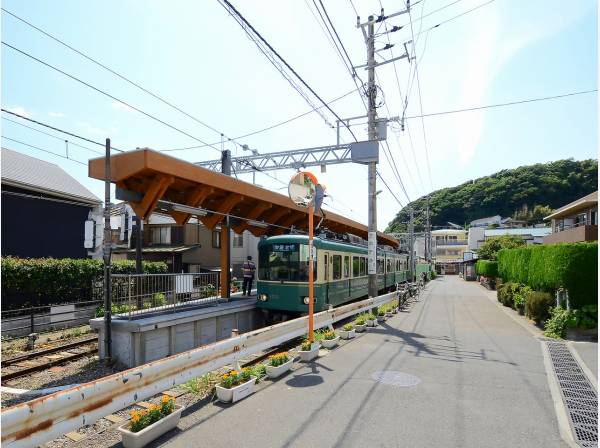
(427, 235)
(225, 235)
(106, 254)
(372, 116)
(411, 243)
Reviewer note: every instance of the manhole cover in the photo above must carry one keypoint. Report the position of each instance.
(393, 378)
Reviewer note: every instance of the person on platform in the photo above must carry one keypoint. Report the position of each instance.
(248, 268)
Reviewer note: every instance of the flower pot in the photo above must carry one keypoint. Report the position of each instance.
(380, 319)
(360, 328)
(348, 334)
(330, 343)
(388, 314)
(236, 393)
(149, 433)
(394, 310)
(371, 323)
(309, 355)
(275, 372)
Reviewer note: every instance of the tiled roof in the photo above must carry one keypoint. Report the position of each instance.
(23, 171)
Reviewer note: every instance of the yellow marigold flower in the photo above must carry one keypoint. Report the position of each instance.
(166, 399)
(233, 372)
(135, 418)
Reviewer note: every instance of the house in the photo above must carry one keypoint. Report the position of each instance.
(44, 209)
(188, 248)
(450, 245)
(577, 221)
(485, 222)
(531, 235)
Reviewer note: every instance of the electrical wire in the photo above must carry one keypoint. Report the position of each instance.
(53, 136)
(511, 103)
(107, 94)
(44, 150)
(395, 170)
(389, 189)
(124, 78)
(231, 8)
(58, 129)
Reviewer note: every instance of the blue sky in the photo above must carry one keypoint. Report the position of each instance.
(197, 57)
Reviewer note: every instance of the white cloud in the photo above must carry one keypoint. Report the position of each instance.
(20, 110)
(56, 114)
(120, 106)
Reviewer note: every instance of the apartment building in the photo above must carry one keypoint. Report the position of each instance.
(576, 221)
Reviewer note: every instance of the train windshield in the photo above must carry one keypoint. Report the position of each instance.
(284, 261)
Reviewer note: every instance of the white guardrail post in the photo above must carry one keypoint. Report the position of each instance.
(38, 421)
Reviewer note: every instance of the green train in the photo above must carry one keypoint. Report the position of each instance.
(340, 274)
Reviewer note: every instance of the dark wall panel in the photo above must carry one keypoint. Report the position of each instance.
(40, 228)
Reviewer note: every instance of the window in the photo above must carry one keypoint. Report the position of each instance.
(363, 266)
(380, 266)
(216, 239)
(284, 261)
(594, 217)
(336, 263)
(389, 265)
(238, 240)
(355, 266)
(346, 266)
(161, 235)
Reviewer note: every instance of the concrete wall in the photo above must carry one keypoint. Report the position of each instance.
(143, 340)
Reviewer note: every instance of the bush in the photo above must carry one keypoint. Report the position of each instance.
(486, 268)
(573, 266)
(537, 305)
(505, 294)
(520, 297)
(433, 275)
(584, 318)
(556, 326)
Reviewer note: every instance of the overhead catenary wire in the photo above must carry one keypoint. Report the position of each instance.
(44, 150)
(108, 95)
(389, 189)
(230, 8)
(123, 77)
(58, 129)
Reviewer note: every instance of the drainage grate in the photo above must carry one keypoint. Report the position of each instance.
(579, 396)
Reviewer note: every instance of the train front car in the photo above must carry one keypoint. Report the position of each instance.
(282, 284)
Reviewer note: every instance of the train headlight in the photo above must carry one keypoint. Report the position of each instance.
(306, 300)
(263, 297)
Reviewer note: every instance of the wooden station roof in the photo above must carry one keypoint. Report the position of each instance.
(156, 176)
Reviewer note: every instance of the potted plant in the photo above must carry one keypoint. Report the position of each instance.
(381, 316)
(279, 363)
(309, 351)
(388, 311)
(149, 424)
(371, 320)
(394, 306)
(235, 385)
(360, 324)
(330, 339)
(347, 331)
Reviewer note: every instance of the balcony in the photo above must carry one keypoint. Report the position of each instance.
(573, 234)
(451, 243)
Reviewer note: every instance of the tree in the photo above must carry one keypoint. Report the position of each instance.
(489, 249)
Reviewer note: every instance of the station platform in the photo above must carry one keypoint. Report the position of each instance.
(460, 373)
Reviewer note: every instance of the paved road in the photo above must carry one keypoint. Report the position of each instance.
(483, 384)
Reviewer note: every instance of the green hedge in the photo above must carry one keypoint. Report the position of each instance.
(487, 268)
(53, 277)
(573, 266)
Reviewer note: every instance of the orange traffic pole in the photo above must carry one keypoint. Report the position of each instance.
(311, 280)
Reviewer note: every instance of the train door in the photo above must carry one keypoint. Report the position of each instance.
(326, 260)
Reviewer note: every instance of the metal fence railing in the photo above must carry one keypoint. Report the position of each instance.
(137, 294)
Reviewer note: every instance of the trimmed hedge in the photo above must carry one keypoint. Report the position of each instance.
(64, 278)
(573, 266)
(537, 306)
(487, 268)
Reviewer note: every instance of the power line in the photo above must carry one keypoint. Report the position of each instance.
(53, 136)
(389, 189)
(107, 94)
(44, 150)
(460, 15)
(238, 14)
(58, 129)
(511, 103)
(124, 78)
(273, 126)
(395, 169)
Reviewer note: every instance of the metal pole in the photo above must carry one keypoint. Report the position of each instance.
(372, 113)
(138, 244)
(106, 253)
(311, 286)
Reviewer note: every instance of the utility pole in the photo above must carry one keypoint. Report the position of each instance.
(427, 235)
(411, 244)
(372, 115)
(106, 255)
(226, 235)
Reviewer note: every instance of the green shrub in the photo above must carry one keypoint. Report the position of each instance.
(556, 326)
(537, 305)
(486, 268)
(520, 297)
(585, 318)
(433, 275)
(573, 266)
(505, 294)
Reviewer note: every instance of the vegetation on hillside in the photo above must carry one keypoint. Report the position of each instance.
(514, 193)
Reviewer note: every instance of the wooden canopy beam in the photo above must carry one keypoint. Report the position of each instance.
(155, 191)
(254, 214)
(231, 201)
(194, 198)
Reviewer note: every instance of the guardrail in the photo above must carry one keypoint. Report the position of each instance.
(46, 418)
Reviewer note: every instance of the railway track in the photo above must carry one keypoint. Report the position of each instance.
(34, 362)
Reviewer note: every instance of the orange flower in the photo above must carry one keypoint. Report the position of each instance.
(165, 399)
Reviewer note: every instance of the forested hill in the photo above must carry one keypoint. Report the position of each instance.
(506, 193)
